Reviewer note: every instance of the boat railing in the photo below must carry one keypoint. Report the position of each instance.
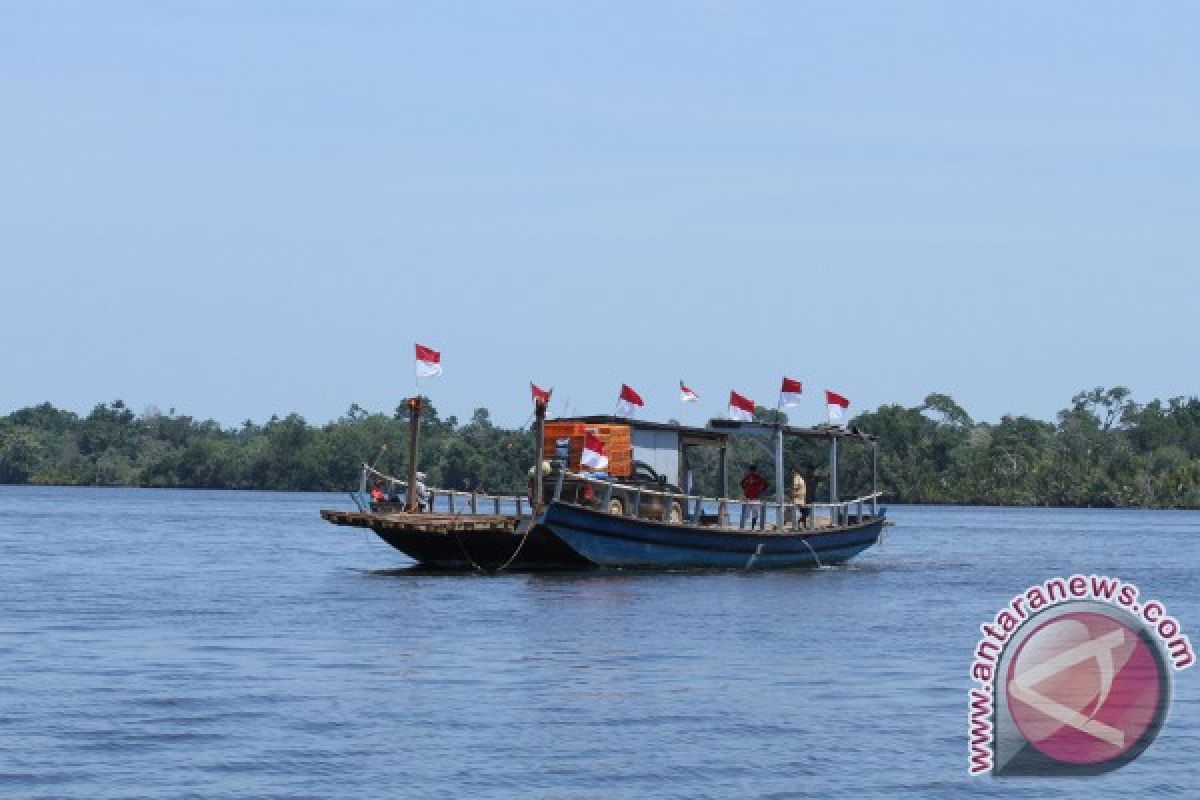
(452, 501)
(723, 511)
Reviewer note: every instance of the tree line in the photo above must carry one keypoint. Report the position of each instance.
(1104, 450)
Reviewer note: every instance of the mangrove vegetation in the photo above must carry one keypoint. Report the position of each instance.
(1103, 450)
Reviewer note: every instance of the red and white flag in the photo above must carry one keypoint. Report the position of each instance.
(789, 393)
(628, 402)
(429, 362)
(741, 408)
(540, 396)
(593, 452)
(687, 395)
(837, 405)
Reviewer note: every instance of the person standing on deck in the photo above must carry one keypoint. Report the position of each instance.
(753, 485)
(810, 489)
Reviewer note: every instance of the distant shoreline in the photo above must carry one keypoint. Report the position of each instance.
(885, 504)
(1104, 451)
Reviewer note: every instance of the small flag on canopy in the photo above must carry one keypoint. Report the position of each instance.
(593, 455)
(789, 392)
(837, 406)
(628, 402)
(741, 408)
(429, 362)
(686, 395)
(541, 397)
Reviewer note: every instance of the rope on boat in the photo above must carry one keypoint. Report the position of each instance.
(520, 545)
(474, 564)
(466, 555)
(814, 552)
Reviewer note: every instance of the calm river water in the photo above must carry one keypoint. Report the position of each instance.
(176, 644)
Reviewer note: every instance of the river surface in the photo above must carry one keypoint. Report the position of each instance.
(174, 644)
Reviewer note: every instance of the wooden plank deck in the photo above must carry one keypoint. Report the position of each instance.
(425, 523)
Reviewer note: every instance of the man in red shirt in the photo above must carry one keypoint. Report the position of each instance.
(753, 485)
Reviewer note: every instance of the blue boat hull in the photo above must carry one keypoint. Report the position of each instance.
(614, 541)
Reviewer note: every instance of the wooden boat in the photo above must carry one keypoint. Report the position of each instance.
(577, 520)
(606, 540)
(712, 532)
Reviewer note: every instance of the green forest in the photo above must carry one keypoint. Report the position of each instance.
(1103, 450)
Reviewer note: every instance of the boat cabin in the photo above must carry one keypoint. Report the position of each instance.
(642, 451)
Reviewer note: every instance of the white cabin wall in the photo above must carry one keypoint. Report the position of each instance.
(659, 449)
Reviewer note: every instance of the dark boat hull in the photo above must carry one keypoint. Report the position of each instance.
(485, 550)
(614, 541)
(470, 542)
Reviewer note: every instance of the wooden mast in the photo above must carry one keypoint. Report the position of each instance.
(833, 472)
(539, 440)
(414, 433)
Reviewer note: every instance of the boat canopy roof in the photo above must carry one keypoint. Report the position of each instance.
(688, 432)
(720, 430)
(737, 428)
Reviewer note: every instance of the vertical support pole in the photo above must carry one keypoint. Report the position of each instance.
(780, 478)
(833, 478)
(874, 478)
(414, 433)
(723, 466)
(362, 483)
(539, 436)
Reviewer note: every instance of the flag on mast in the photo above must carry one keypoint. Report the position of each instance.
(429, 362)
(741, 408)
(789, 392)
(837, 405)
(628, 402)
(593, 455)
(540, 396)
(686, 395)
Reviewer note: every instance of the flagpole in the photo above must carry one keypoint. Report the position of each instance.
(414, 432)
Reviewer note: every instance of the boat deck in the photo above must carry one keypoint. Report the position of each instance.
(425, 523)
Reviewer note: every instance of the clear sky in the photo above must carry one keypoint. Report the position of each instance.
(244, 208)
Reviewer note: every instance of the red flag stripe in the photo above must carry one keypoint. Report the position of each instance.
(540, 395)
(835, 399)
(792, 386)
(428, 354)
(630, 396)
(743, 403)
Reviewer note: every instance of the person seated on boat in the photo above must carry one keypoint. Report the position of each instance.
(422, 493)
(377, 495)
(753, 485)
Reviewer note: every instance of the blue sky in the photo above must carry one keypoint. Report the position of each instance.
(244, 208)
